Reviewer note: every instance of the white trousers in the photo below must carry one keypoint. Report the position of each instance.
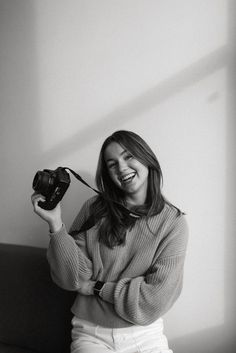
(90, 338)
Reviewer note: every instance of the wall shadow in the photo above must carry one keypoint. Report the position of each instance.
(141, 104)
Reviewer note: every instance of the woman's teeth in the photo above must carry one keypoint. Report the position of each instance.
(127, 177)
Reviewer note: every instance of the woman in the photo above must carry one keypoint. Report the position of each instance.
(124, 254)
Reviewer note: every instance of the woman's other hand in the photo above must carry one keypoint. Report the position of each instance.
(86, 287)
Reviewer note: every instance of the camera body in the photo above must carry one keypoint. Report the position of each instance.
(52, 184)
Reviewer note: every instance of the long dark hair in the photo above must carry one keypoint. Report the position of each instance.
(113, 223)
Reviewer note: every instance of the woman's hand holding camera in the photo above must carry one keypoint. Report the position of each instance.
(52, 217)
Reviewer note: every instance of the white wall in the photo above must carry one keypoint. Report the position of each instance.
(74, 71)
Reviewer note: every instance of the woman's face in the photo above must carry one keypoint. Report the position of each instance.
(127, 173)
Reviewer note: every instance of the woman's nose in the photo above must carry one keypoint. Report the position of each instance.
(122, 165)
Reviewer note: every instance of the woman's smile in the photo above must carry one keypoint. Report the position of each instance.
(127, 178)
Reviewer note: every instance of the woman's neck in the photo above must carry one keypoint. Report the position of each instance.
(135, 201)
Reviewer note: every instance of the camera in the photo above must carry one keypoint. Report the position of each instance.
(52, 184)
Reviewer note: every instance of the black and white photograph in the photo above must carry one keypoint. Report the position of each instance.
(118, 169)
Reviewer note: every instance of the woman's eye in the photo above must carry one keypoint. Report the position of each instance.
(128, 156)
(112, 165)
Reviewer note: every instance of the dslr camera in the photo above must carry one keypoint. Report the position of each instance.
(52, 184)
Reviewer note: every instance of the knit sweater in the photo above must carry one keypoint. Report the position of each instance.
(143, 278)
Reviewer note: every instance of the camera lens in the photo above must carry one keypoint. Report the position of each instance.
(42, 183)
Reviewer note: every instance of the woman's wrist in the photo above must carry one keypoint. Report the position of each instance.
(55, 226)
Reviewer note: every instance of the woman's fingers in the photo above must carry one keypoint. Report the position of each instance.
(35, 198)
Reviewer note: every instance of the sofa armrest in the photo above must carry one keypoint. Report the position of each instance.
(34, 312)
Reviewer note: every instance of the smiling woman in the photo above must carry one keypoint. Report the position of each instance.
(129, 172)
(127, 270)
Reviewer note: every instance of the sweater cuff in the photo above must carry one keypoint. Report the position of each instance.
(107, 292)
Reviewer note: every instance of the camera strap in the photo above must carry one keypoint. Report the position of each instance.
(122, 207)
(78, 177)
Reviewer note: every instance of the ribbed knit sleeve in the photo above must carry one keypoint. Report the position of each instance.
(144, 299)
(68, 257)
